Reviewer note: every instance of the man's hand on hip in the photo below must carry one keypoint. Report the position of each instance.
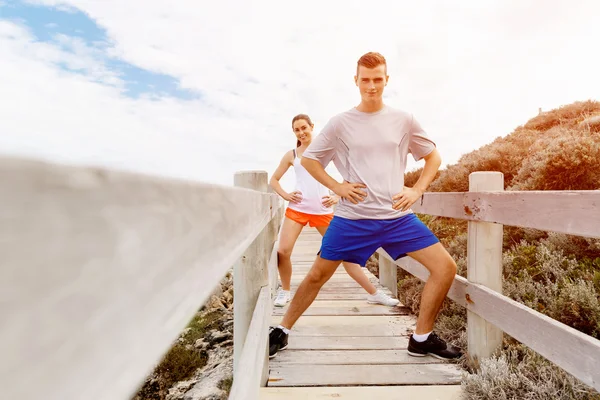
(350, 191)
(403, 200)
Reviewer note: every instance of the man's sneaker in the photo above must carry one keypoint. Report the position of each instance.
(433, 346)
(282, 298)
(278, 340)
(382, 298)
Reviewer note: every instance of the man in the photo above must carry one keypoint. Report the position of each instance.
(369, 145)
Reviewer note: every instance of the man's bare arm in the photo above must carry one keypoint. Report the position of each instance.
(405, 199)
(433, 161)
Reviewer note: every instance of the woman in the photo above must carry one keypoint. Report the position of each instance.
(310, 203)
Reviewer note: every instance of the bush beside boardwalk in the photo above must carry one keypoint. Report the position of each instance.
(555, 274)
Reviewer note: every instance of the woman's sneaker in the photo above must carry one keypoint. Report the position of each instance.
(433, 346)
(282, 298)
(278, 340)
(382, 298)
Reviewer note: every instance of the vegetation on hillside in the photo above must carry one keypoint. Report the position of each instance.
(555, 274)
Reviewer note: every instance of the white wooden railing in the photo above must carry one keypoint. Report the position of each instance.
(101, 270)
(255, 281)
(487, 208)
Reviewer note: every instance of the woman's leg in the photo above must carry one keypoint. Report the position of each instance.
(290, 230)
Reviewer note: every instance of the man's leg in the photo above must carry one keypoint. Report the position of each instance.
(442, 269)
(320, 273)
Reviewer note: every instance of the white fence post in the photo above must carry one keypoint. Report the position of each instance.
(388, 275)
(484, 266)
(250, 272)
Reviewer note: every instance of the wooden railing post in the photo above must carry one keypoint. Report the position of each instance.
(250, 272)
(388, 275)
(275, 225)
(484, 266)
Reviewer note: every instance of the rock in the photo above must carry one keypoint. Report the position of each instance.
(214, 337)
(207, 383)
(201, 344)
(214, 303)
(228, 325)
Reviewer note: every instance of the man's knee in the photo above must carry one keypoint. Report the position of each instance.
(448, 269)
(321, 272)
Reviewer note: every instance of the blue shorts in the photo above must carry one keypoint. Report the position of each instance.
(356, 240)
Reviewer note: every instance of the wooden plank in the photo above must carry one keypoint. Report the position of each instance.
(101, 270)
(350, 326)
(254, 357)
(343, 303)
(349, 311)
(347, 357)
(301, 272)
(573, 351)
(334, 296)
(572, 212)
(342, 290)
(348, 343)
(340, 280)
(445, 392)
(352, 375)
(338, 284)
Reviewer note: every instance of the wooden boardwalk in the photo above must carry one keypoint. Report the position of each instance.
(345, 348)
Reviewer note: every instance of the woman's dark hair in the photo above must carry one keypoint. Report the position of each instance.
(297, 118)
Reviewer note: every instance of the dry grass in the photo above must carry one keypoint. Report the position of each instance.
(519, 373)
(552, 151)
(555, 274)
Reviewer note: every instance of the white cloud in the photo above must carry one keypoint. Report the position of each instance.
(469, 72)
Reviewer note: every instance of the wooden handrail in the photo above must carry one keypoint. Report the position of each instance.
(101, 271)
(572, 212)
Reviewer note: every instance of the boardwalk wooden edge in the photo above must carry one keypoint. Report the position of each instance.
(572, 212)
(573, 351)
(103, 269)
(247, 384)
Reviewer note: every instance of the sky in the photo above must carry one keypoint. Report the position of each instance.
(198, 90)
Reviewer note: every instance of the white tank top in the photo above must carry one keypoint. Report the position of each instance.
(312, 192)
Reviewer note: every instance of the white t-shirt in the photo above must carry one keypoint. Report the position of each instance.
(372, 149)
(312, 192)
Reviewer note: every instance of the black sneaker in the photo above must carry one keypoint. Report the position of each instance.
(433, 346)
(278, 340)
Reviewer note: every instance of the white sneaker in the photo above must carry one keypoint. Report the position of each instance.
(282, 298)
(382, 298)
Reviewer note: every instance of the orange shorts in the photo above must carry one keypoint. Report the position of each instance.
(310, 219)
